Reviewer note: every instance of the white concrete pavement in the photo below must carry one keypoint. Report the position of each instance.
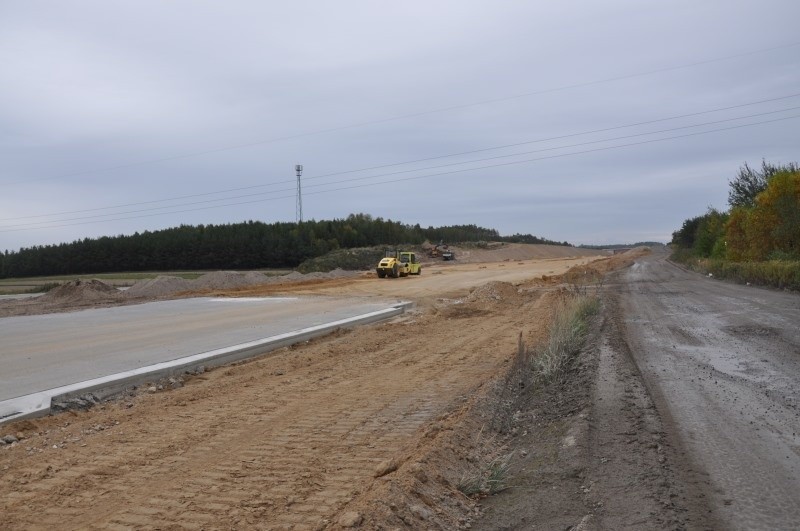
(56, 354)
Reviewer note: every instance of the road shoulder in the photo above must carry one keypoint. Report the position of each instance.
(592, 451)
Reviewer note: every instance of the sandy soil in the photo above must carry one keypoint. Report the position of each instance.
(504, 252)
(374, 428)
(436, 281)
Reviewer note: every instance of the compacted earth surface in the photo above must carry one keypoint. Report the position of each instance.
(420, 423)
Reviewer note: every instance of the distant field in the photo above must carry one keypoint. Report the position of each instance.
(9, 286)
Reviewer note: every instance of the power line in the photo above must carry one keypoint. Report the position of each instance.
(400, 172)
(406, 116)
(451, 172)
(426, 159)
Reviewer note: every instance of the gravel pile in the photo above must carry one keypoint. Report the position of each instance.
(163, 286)
(81, 290)
(229, 280)
(160, 286)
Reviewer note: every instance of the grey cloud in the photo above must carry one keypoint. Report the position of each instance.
(92, 85)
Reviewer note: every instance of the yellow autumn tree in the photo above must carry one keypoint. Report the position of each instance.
(781, 205)
(771, 228)
(737, 247)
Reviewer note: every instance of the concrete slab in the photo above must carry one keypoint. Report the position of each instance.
(54, 355)
(16, 296)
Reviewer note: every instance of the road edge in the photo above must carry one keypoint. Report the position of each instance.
(40, 404)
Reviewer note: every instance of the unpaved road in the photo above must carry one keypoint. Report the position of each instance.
(722, 363)
(436, 281)
(288, 441)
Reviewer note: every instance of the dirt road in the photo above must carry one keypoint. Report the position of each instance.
(436, 281)
(288, 441)
(722, 363)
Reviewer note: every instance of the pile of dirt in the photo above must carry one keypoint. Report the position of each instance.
(341, 273)
(161, 286)
(493, 292)
(81, 291)
(611, 263)
(228, 280)
(509, 252)
(336, 273)
(294, 275)
(165, 286)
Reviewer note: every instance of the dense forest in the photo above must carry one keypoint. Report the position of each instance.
(250, 245)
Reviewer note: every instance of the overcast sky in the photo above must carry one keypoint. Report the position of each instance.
(195, 112)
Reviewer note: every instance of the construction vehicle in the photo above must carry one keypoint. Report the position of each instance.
(396, 264)
(442, 250)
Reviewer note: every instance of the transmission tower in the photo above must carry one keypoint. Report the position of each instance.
(298, 213)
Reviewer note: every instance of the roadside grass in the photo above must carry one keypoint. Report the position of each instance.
(776, 273)
(781, 274)
(567, 336)
(530, 369)
(549, 361)
(488, 474)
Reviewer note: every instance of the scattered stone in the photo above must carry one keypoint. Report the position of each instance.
(160, 286)
(420, 512)
(418, 472)
(385, 467)
(9, 439)
(82, 402)
(152, 389)
(350, 519)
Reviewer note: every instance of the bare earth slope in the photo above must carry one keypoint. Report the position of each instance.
(286, 441)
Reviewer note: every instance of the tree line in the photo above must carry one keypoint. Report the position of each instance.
(248, 245)
(762, 223)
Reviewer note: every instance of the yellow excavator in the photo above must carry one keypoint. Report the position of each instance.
(396, 264)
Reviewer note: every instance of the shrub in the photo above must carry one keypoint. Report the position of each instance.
(781, 274)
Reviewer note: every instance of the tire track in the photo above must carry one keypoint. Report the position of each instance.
(283, 442)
